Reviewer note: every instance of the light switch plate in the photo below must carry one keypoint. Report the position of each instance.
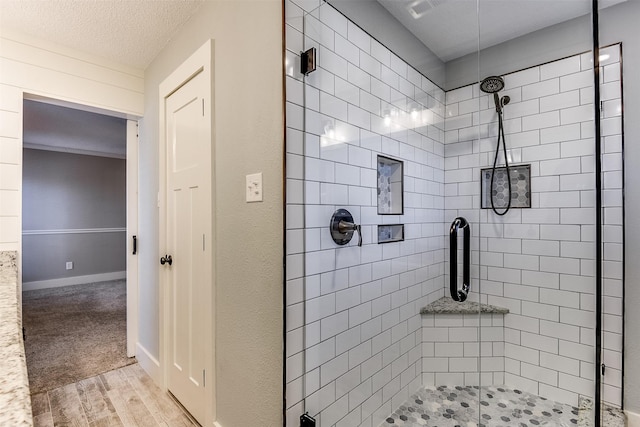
(69, 265)
(254, 187)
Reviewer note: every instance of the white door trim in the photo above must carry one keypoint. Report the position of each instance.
(201, 61)
(132, 230)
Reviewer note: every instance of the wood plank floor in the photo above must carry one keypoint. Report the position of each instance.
(124, 397)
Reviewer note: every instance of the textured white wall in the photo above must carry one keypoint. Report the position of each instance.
(248, 136)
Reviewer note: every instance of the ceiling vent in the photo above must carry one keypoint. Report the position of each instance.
(419, 8)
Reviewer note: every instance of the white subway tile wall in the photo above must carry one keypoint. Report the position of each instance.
(463, 349)
(359, 355)
(612, 200)
(539, 262)
(362, 350)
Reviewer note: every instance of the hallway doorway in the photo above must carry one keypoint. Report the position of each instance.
(79, 216)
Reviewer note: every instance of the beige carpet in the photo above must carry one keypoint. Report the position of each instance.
(74, 332)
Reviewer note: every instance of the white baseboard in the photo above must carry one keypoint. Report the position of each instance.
(149, 363)
(633, 419)
(75, 280)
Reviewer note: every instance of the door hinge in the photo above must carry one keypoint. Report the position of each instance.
(308, 61)
(603, 368)
(601, 109)
(202, 107)
(204, 378)
(307, 420)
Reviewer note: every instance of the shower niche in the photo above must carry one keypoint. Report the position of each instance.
(390, 233)
(390, 186)
(520, 187)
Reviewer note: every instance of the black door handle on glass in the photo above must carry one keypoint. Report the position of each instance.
(457, 224)
(166, 260)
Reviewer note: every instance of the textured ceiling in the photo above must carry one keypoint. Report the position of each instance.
(130, 32)
(454, 28)
(62, 129)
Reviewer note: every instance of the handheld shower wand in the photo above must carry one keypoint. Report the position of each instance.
(493, 85)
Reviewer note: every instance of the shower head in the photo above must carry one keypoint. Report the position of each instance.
(492, 84)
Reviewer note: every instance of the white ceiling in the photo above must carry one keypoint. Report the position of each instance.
(130, 32)
(53, 127)
(450, 27)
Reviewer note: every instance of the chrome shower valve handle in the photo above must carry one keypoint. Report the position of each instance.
(342, 227)
(345, 227)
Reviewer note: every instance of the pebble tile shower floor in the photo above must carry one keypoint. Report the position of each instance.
(448, 406)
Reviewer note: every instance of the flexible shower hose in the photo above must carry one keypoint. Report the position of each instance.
(495, 163)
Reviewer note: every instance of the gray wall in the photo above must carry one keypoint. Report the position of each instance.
(539, 47)
(248, 137)
(44, 256)
(63, 191)
(617, 24)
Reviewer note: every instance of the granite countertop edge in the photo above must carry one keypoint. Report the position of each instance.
(447, 305)
(15, 398)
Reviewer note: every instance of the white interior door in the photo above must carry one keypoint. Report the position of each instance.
(188, 231)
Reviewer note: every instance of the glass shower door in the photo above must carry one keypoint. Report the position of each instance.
(537, 139)
(370, 191)
(397, 159)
